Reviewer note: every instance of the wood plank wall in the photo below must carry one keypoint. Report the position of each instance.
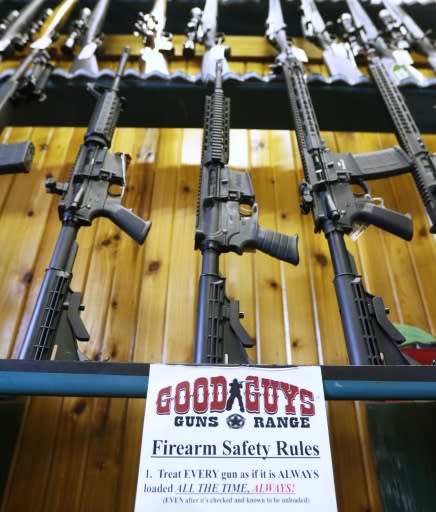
(81, 454)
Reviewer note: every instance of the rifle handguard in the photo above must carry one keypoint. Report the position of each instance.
(282, 247)
(105, 117)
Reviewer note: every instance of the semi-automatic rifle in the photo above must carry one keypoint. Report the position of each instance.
(423, 163)
(55, 325)
(397, 61)
(336, 54)
(86, 33)
(157, 42)
(220, 228)
(24, 85)
(404, 31)
(202, 28)
(337, 210)
(21, 26)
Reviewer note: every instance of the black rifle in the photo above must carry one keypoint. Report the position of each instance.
(86, 32)
(337, 55)
(157, 42)
(20, 27)
(327, 193)
(55, 322)
(23, 86)
(220, 228)
(403, 30)
(423, 163)
(202, 28)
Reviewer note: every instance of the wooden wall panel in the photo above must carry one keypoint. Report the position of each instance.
(81, 454)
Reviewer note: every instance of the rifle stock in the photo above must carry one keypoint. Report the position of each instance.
(55, 325)
(371, 338)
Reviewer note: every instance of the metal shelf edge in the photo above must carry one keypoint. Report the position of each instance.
(57, 378)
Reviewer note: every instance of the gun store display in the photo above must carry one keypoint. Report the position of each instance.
(206, 145)
(200, 63)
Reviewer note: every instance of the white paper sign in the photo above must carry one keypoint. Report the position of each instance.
(243, 438)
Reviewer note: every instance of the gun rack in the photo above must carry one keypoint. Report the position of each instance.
(58, 378)
(177, 100)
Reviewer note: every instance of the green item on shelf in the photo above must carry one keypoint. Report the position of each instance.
(415, 335)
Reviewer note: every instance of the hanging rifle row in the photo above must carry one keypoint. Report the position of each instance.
(227, 212)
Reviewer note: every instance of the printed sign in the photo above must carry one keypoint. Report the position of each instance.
(237, 437)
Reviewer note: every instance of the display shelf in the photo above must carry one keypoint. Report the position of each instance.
(58, 378)
(178, 101)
